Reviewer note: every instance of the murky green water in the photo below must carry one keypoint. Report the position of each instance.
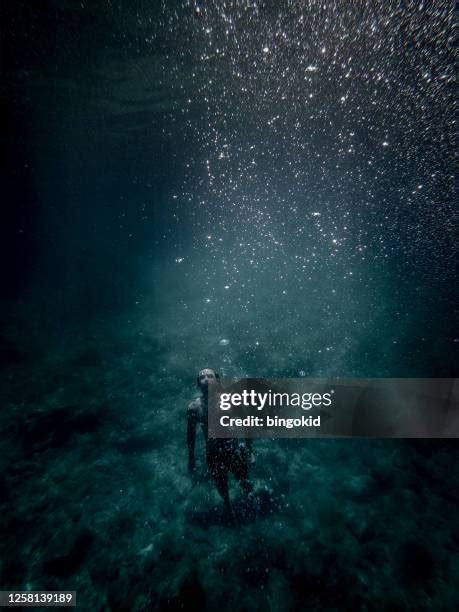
(265, 188)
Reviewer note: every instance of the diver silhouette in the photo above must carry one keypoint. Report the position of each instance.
(222, 455)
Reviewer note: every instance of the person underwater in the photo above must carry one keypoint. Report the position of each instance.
(222, 455)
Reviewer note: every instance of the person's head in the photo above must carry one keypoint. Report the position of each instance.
(207, 377)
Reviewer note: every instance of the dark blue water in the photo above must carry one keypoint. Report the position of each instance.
(266, 188)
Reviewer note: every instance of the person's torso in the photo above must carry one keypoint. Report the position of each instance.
(226, 445)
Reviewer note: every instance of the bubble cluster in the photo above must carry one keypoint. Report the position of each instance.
(319, 146)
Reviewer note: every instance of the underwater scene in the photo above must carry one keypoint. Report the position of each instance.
(233, 188)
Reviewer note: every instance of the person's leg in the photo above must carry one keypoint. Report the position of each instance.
(247, 485)
(219, 474)
(240, 469)
(221, 482)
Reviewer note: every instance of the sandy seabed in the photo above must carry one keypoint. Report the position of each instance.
(96, 496)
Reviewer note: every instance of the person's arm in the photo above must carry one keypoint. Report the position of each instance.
(192, 421)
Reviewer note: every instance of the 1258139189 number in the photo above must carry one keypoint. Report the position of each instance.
(37, 598)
